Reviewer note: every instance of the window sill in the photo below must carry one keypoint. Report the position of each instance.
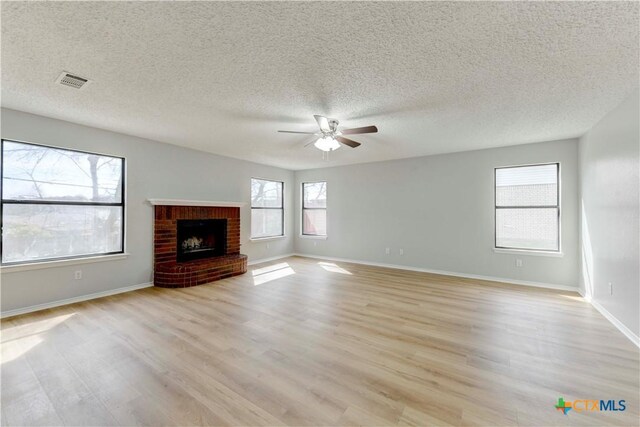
(528, 252)
(262, 239)
(61, 263)
(311, 236)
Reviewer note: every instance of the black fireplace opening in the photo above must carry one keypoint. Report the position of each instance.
(201, 238)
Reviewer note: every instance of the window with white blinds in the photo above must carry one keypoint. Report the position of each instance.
(527, 207)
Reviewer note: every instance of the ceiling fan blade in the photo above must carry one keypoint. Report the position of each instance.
(365, 129)
(346, 141)
(323, 122)
(293, 131)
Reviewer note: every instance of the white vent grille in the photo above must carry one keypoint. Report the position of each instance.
(72, 80)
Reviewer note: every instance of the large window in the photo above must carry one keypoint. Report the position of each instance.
(527, 209)
(59, 203)
(314, 208)
(267, 209)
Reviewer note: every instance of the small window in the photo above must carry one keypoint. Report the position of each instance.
(314, 208)
(267, 209)
(59, 204)
(527, 207)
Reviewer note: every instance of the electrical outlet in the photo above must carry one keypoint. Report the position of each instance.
(401, 251)
(610, 288)
(387, 251)
(315, 243)
(518, 262)
(267, 246)
(78, 275)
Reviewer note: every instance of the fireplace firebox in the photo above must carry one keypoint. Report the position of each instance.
(198, 239)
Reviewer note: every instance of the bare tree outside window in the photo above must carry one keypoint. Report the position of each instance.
(314, 208)
(267, 208)
(59, 203)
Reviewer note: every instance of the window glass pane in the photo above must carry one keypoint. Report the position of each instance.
(266, 194)
(315, 195)
(535, 228)
(33, 232)
(314, 221)
(266, 223)
(32, 172)
(527, 186)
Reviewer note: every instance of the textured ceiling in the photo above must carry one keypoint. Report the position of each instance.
(434, 77)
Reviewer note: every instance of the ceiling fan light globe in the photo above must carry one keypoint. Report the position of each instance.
(327, 143)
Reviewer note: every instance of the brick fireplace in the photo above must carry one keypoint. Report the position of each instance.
(195, 244)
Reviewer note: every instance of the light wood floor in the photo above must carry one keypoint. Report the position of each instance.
(302, 342)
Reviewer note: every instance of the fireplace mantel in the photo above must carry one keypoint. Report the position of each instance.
(179, 202)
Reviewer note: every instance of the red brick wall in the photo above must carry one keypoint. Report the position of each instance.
(169, 273)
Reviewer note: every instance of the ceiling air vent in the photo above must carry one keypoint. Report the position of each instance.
(72, 80)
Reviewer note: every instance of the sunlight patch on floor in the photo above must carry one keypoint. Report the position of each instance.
(18, 347)
(33, 328)
(271, 272)
(577, 297)
(333, 268)
(19, 340)
(269, 268)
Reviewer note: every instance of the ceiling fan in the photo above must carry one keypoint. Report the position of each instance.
(330, 138)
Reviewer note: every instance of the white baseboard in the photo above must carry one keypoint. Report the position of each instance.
(37, 307)
(611, 318)
(448, 273)
(273, 258)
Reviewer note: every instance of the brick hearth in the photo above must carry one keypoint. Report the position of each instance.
(168, 273)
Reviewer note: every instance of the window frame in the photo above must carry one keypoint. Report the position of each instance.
(302, 233)
(4, 201)
(557, 206)
(281, 208)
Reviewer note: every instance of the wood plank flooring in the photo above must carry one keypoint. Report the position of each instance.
(305, 342)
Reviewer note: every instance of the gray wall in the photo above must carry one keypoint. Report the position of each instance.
(439, 210)
(609, 175)
(154, 170)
